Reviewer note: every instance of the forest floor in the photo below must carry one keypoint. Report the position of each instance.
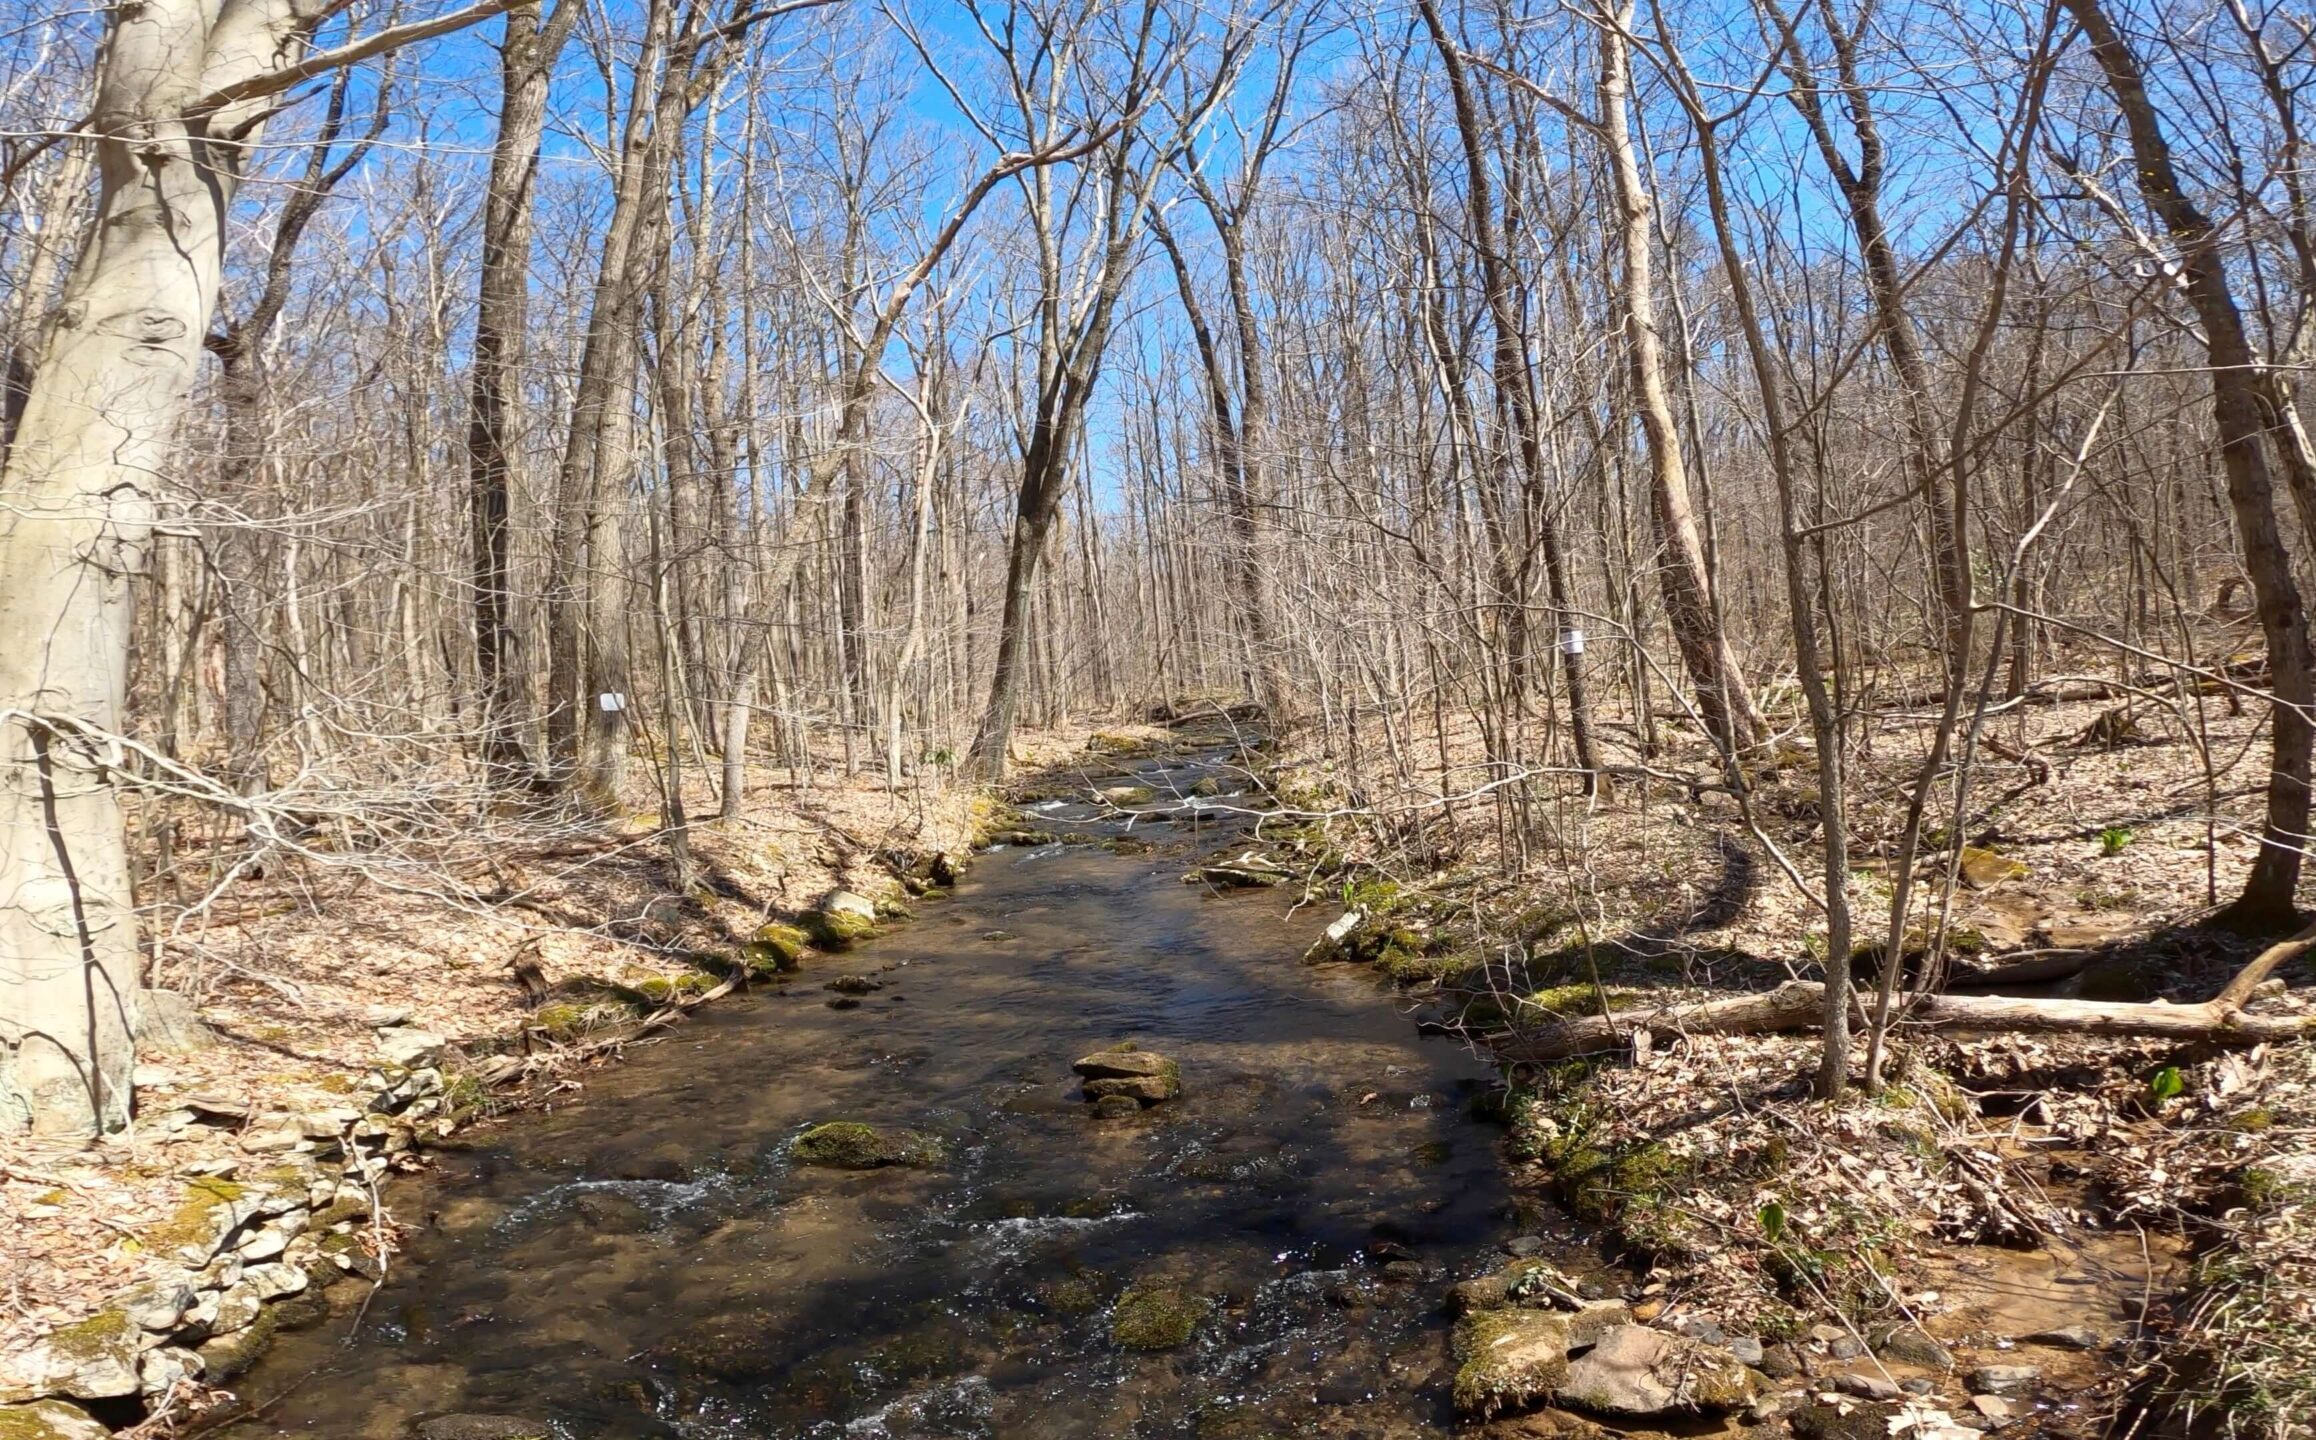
(538, 943)
(2170, 1189)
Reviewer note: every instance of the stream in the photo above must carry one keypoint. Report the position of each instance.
(645, 1260)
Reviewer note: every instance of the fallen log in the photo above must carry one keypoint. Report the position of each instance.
(1800, 1004)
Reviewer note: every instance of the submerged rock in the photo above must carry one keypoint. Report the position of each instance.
(851, 1145)
(1116, 1107)
(1156, 1317)
(1127, 1070)
(855, 984)
(1508, 1359)
(1636, 1371)
(737, 1347)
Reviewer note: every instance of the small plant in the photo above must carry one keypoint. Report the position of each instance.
(2166, 1084)
(2113, 839)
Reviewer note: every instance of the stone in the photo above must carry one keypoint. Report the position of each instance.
(1520, 1247)
(159, 1369)
(226, 1355)
(1867, 1385)
(93, 1359)
(855, 985)
(271, 1239)
(1403, 1272)
(841, 919)
(1845, 1347)
(1918, 1385)
(1909, 1345)
(1246, 874)
(1998, 1379)
(479, 1427)
(1156, 1317)
(1330, 946)
(1747, 1349)
(1127, 1069)
(1639, 1372)
(1778, 1362)
(1508, 1359)
(1993, 1407)
(386, 1017)
(778, 946)
(2073, 1337)
(159, 1307)
(851, 1145)
(1700, 1327)
(410, 1047)
(271, 1282)
(843, 1002)
(51, 1420)
(168, 1022)
(212, 1209)
(237, 1309)
(1850, 1420)
(1116, 1107)
(947, 867)
(1144, 1089)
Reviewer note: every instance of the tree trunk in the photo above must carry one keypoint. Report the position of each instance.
(526, 63)
(76, 497)
(2267, 898)
(1722, 696)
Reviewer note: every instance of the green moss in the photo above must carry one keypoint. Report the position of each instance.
(190, 1223)
(837, 929)
(2254, 1120)
(776, 946)
(106, 1333)
(851, 1145)
(560, 1020)
(44, 1420)
(1156, 1318)
(656, 990)
(1507, 1359)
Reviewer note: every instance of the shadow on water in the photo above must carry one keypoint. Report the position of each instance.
(645, 1261)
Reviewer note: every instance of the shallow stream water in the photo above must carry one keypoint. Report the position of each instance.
(645, 1260)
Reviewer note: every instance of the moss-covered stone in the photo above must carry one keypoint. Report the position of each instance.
(227, 1356)
(839, 929)
(852, 1145)
(210, 1210)
(1983, 868)
(1156, 1317)
(1507, 1359)
(50, 1420)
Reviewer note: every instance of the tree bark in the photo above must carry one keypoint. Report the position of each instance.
(1722, 696)
(527, 56)
(2238, 410)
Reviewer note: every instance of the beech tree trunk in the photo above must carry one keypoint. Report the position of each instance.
(182, 100)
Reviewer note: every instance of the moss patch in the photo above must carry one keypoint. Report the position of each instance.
(852, 1145)
(1156, 1318)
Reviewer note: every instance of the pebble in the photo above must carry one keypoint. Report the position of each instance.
(1520, 1247)
(1993, 1407)
(1747, 1350)
(1867, 1387)
(2073, 1337)
(1846, 1348)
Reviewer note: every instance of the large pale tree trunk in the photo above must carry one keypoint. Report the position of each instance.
(185, 91)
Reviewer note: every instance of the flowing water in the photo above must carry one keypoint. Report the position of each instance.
(645, 1260)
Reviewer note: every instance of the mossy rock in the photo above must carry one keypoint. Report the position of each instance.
(852, 1145)
(1129, 794)
(838, 929)
(212, 1208)
(1157, 1317)
(50, 1420)
(227, 1356)
(776, 947)
(1507, 1359)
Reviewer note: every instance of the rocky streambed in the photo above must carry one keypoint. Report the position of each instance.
(926, 1189)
